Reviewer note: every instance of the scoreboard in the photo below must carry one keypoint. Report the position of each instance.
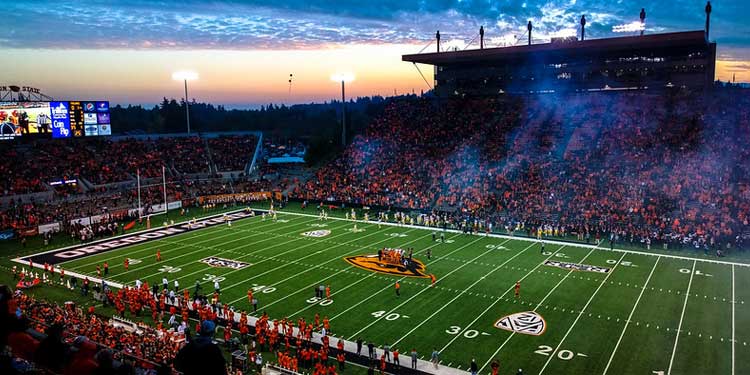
(55, 119)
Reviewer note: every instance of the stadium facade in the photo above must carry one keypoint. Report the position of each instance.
(645, 62)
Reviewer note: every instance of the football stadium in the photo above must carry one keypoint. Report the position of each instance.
(572, 202)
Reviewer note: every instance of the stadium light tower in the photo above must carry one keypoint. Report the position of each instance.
(343, 78)
(185, 75)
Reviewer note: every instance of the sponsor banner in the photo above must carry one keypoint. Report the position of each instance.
(174, 205)
(224, 263)
(576, 266)
(101, 246)
(54, 227)
(527, 323)
(252, 196)
(317, 233)
(413, 268)
(7, 235)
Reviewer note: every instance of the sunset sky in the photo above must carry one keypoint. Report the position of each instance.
(244, 51)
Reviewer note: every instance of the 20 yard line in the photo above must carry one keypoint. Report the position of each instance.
(627, 322)
(570, 329)
(679, 327)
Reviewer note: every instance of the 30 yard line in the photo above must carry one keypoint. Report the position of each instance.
(459, 334)
(570, 329)
(627, 322)
(535, 308)
(682, 315)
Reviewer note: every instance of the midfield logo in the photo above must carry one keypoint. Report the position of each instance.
(576, 266)
(413, 268)
(317, 233)
(527, 323)
(224, 263)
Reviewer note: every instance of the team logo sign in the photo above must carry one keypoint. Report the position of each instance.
(410, 268)
(527, 323)
(576, 266)
(224, 263)
(317, 233)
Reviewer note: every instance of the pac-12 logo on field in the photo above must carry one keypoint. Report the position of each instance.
(317, 233)
(226, 263)
(527, 323)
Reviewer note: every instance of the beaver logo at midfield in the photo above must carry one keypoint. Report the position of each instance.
(409, 268)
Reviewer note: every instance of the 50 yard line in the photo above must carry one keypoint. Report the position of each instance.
(679, 327)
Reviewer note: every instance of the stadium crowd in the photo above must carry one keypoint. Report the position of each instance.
(661, 168)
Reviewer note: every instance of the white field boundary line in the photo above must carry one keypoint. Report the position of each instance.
(269, 236)
(361, 280)
(459, 295)
(424, 289)
(535, 308)
(682, 316)
(586, 306)
(264, 260)
(546, 241)
(328, 277)
(180, 243)
(389, 286)
(734, 302)
(133, 233)
(459, 334)
(317, 266)
(630, 317)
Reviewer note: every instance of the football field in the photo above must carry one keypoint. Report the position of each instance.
(581, 310)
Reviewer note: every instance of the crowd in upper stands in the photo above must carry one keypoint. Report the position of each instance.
(638, 167)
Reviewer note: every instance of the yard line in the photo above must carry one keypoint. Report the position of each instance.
(205, 233)
(340, 271)
(498, 300)
(679, 327)
(630, 317)
(460, 294)
(734, 302)
(570, 329)
(250, 254)
(537, 306)
(424, 289)
(361, 280)
(334, 259)
(390, 285)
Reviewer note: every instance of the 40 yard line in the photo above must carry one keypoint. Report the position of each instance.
(627, 322)
(682, 315)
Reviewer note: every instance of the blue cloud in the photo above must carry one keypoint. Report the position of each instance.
(192, 24)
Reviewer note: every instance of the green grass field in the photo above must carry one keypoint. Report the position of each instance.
(650, 314)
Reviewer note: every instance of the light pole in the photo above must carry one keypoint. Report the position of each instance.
(343, 78)
(185, 75)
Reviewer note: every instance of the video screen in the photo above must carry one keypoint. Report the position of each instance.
(55, 119)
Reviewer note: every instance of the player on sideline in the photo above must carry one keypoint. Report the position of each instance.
(158, 255)
(250, 295)
(328, 292)
(518, 288)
